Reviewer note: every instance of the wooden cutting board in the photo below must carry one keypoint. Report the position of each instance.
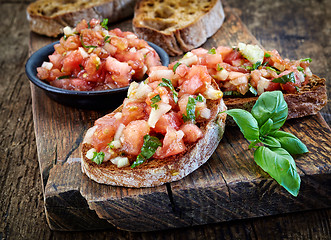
(229, 186)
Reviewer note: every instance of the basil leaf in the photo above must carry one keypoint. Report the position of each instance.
(176, 66)
(190, 110)
(256, 65)
(290, 143)
(246, 122)
(199, 98)
(154, 100)
(284, 79)
(270, 105)
(147, 150)
(273, 69)
(98, 157)
(104, 23)
(266, 127)
(167, 83)
(280, 166)
(271, 142)
(252, 89)
(107, 39)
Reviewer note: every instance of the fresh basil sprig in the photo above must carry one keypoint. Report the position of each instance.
(147, 150)
(104, 23)
(155, 100)
(261, 126)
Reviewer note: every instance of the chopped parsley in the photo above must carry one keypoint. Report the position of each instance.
(300, 69)
(273, 69)
(147, 150)
(107, 39)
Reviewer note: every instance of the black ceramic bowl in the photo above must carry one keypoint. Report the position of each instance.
(105, 99)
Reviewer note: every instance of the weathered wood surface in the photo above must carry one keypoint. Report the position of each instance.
(22, 214)
(226, 188)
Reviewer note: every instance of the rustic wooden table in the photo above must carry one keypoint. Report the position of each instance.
(296, 28)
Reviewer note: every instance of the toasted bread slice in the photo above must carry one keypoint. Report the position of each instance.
(177, 26)
(156, 172)
(310, 99)
(48, 17)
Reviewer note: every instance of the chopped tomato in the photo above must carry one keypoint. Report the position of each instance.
(192, 132)
(171, 119)
(72, 62)
(133, 136)
(105, 131)
(133, 111)
(173, 144)
(196, 79)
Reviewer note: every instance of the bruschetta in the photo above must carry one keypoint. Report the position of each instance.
(166, 128)
(246, 71)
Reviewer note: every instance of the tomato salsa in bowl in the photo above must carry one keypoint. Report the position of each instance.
(91, 67)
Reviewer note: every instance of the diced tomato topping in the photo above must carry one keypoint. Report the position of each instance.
(133, 136)
(234, 58)
(72, 43)
(56, 59)
(171, 119)
(173, 144)
(196, 79)
(134, 111)
(192, 132)
(72, 62)
(105, 131)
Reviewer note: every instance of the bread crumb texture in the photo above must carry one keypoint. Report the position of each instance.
(55, 8)
(168, 15)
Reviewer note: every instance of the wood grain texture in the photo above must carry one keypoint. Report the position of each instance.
(22, 214)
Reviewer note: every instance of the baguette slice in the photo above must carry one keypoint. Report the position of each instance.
(308, 101)
(177, 26)
(156, 172)
(48, 17)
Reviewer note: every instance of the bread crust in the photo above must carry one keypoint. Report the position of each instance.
(308, 101)
(182, 39)
(53, 25)
(156, 172)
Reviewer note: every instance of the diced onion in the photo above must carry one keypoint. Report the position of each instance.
(119, 131)
(47, 65)
(120, 161)
(262, 84)
(139, 91)
(252, 53)
(239, 80)
(68, 31)
(133, 50)
(118, 115)
(90, 153)
(221, 75)
(205, 113)
(189, 59)
(212, 93)
(116, 144)
(83, 52)
(156, 114)
(308, 72)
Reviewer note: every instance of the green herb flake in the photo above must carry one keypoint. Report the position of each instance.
(212, 51)
(155, 100)
(305, 59)
(219, 68)
(107, 39)
(267, 55)
(64, 77)
(88, 25)
(167, 83)
(104, 23)
(252, 89)
(98, 157)
(256, 65)
(199, 98)
(297, 88)
(301, 69)
(110, 145)
(284, 79)
(190, 108)
(273, 69)
(176, 66)
(147, 150)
